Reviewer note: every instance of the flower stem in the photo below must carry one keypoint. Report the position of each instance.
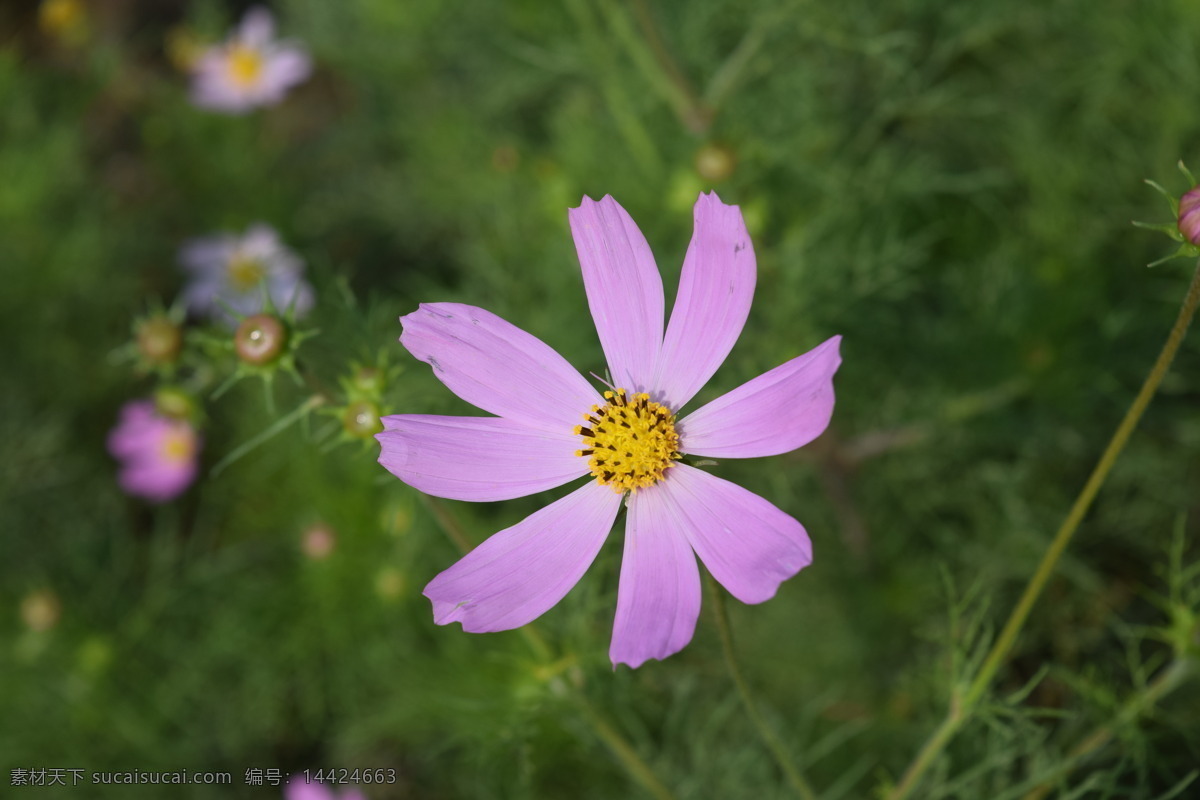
(637, 768)
(448, 524)
(960, 712)
(275, 428)
(1163, 684)
(624, 752)
(770, 739)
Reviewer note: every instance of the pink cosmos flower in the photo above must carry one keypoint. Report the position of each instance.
(300, 789)
(249, 69)
(232, 268)
(551, 427)
(158, 455)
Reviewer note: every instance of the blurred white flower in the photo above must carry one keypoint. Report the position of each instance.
(233, 269)
(250, 68)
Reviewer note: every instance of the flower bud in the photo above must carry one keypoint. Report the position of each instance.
(40, 610)
(175, 403)
(260, 339)
(360, 419)
(1189, 216)
(368, 382)
(183, 48)
(65, 20)
(390, 583)
(715, 162)
(318, 541)
(159, 340)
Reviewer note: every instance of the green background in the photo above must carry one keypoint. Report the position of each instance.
(948, 186)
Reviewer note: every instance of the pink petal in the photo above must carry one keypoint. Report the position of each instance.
(521, 572)
(207, 253)
(297, 788)
(257, 27)
(286, 67)
(477, 458)
(658, 600)
(624, 289)
(774, 413)
(748, 545)
(498, 367)
(715, 290)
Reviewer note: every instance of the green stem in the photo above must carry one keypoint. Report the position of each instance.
(274, 429)
(448, 524)
(770, 739)
(960, 712)
(638, 769)
(633, 763)
(1166, 682)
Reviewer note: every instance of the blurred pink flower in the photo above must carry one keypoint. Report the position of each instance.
(630, 441)
(300, 789)
(158, 455)
(233, 268)
(250, 68)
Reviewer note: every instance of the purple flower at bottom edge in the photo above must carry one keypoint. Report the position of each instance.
(552, 427)
(249, 69)
(158, 455)
(231, 269)
(300, 789)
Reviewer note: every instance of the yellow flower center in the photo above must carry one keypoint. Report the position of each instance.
(245, 65)
(245, 273)
(630, 443)
(178, 445)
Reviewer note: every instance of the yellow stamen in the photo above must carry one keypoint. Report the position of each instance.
(629, 443)
(178, 445)
(245, 273)
(245, 65)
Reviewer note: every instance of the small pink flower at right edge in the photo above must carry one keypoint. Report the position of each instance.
(158, 454)
(250, 68)
(1189, 215)
(300, 789)
(552, 427)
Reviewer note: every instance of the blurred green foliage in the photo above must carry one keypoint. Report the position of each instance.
(947, 186)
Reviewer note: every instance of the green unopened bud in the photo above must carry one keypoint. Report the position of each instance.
(360, 419)
(1189, 216)
(40, 610)
(173, 402)
(159, 340)
(261, 339)
(390, 583)
(369, 381)
(715, 162)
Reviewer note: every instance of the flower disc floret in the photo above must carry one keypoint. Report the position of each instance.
(629, 443)
(245, 65)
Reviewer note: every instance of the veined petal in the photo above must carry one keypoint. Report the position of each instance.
(498, 367)
(658, 600)
(521, 572)
(477, 458)
(624, 289)
(774, 413)
(748, 545)
(715, 291)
